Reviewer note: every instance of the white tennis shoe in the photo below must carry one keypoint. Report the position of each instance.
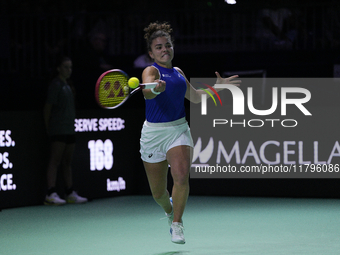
(176, 231)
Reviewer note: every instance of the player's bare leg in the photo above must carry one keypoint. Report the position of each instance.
(157, 176)
(179, 159)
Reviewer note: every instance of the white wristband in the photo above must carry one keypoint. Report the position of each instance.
(155, 92)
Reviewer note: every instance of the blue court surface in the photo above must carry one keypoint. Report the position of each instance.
(213, 226)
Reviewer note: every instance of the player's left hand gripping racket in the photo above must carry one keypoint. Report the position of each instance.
(112, 88)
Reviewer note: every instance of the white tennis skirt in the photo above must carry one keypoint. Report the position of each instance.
(158, 138)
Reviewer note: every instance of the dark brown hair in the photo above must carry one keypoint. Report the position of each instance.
(155, 30)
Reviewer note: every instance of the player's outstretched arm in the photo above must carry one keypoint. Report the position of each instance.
(194, 95)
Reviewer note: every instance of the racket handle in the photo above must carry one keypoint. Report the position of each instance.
(148, 85)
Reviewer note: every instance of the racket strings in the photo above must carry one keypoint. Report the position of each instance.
(113, 89)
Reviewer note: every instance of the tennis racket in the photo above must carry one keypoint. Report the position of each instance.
(112, 89)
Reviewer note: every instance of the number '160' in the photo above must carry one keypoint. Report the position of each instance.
(100, 154)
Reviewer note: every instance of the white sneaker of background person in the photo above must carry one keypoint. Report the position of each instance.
(54, 199)
(74, 198)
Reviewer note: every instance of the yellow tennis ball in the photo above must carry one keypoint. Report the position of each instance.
(133, 82)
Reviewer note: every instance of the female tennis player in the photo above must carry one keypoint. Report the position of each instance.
(165, 138)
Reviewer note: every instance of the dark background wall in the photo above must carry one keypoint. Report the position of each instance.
(209, 36)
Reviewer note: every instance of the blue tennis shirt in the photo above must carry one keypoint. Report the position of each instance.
(168, 105)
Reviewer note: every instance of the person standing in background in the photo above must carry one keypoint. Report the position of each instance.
(59, 114)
